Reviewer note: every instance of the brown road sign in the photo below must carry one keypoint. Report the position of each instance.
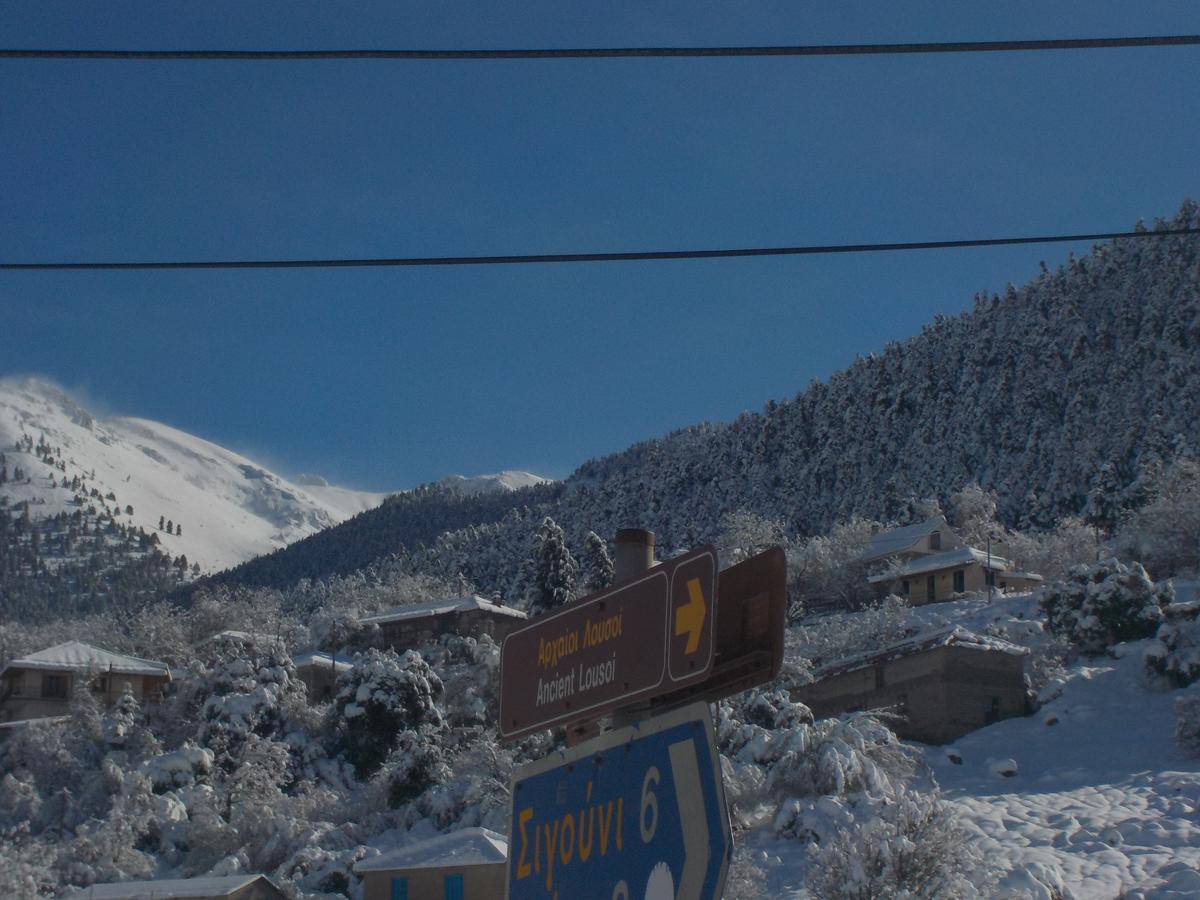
(643, 637)
(748, 635)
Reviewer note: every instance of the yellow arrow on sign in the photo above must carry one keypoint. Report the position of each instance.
(689, 618)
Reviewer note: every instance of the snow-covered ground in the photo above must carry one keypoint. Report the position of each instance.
(1101, 802)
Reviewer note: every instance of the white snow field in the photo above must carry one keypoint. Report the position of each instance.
(229, 507)
(1102, 804)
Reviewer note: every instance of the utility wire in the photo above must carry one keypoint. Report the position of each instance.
(629, 256)
(1179, 40)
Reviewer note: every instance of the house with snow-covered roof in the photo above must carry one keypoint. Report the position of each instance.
(406, 627)
(468, 864)
(941, 684)
(40, 685)
(222, 887)
(928, 562)
(319, 670)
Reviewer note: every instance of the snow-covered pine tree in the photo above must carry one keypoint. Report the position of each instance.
(554, 570)
(599, 563)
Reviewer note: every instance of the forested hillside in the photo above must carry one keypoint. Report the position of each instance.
(1084, 378)
(404, 522)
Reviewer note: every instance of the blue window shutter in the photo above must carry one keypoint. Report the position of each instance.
(399, 889)
(454, 887)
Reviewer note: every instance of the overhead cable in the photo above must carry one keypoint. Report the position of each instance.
(618, 256)
(1175, 40)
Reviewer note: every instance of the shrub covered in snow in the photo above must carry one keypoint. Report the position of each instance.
(842, 635)
(911, 847)
(1103, 604)
(1187, 724)
(775, 752)
(384, 695)
(1175, 653)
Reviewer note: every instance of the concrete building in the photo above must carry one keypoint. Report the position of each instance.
(40, 685)
(228, 887)
(319, 670)
(928, 562)
(407, 627)
(463, 865)
(943, 685)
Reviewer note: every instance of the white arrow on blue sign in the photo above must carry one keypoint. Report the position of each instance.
(635, 814)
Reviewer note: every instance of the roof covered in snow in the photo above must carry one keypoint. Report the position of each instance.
(888, 543)
(322, 658)
(919, 643)
(468, 847)
(948, 559)
(81, 657)
(216, 886)
(21, 723)
(442, 607)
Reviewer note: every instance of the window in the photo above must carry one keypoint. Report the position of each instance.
(960, 581)
(930, 588)
(904, 588)
(935, 541)
(54, 687)
(100, 685)
(454, 887)
(399, 889)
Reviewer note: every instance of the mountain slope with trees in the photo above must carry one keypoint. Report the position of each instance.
(1067, 396)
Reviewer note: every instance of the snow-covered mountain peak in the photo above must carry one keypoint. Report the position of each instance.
(508, 480)
(224, 507)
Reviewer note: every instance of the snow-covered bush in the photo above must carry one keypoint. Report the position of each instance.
(1051, 553)
(1187, 724)
(251, 691)
(911, 847)
(470, 670)
(842, 635)
(745, 533)
(1166, 531)
(1175, 653)
(776, 752)
(827, 571)
(1104, 604)
(384, 695)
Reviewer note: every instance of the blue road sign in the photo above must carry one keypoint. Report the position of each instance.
(635, 814)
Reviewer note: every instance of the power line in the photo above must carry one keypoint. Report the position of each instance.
(629, 256)
(1179, 40)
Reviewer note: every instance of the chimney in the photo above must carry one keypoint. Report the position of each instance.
(635, 553)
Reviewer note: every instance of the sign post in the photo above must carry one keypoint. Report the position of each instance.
(636, 814)
(651, 635)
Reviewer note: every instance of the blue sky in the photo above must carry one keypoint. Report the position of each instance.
(386, 378)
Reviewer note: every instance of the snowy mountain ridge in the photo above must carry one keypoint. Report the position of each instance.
(226, 507)
(502, 482)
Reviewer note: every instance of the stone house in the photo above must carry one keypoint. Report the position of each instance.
(319, 670)
(40, 685)
(463, 865)
(942, 685)
(407, 627)
(928, 562)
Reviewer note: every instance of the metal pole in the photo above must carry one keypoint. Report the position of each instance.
(991, 576)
